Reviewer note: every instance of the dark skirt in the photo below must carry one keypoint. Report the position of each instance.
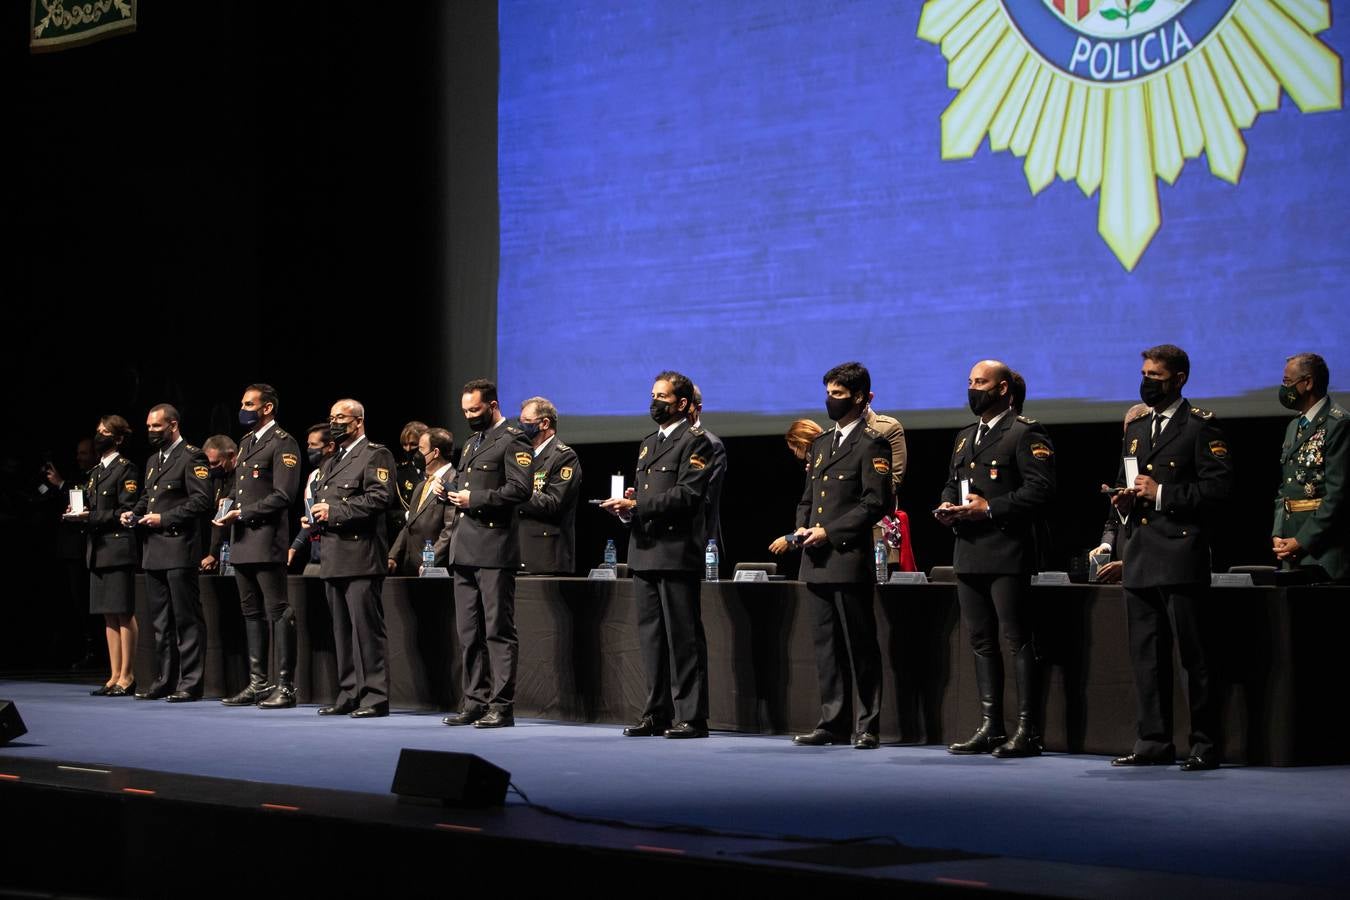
(112, 591)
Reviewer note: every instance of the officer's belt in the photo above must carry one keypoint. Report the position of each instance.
(1297, 506)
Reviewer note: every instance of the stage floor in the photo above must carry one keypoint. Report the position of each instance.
(1068, 824)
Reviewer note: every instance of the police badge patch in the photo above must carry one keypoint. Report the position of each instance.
(290, 460)
(129, 486)
(1041, 451)
(382, 474)
(882, 465)
(565, 473)
(201, 472)
(524, 459)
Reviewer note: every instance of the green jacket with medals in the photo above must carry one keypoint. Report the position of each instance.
(1311, 504)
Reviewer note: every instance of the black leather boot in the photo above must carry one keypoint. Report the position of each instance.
(1026, 740)
(989, 681)
(283, 635)
(255, 633)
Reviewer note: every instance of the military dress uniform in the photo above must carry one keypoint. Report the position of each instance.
(666, 542)
(848, 488)
(1311, 504)
(485, 553)
(355, 483)
(1011, 465)
(178, 488)
(111, 550)
(1167, 564)
(430, 518)
(548, 520)
(266, 483)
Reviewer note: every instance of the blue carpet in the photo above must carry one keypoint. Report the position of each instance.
(1284, 825)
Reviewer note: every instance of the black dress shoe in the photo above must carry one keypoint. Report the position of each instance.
(866, 742)
(158, 693)
(646, 727)
(339, 709)
(378, 711)
(251, 694)
(1024, 742)
(468, 717)
(101, 691)
(1200, 763)
(818, 738)
(181, 697)
(496, 718)
(282, 698)
(1139, 759)
(687, 730)
(988, 736)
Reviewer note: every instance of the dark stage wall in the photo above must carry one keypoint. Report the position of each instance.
(306, 195)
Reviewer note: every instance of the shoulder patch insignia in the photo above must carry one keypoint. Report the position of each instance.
(1041, 450)
(201, 472)
(881, 464)
(1218, 449)
(130, 486)
(643, 454)
(290, 460)
(382, 474)
(960, 445)
(524, 459)
(565, 473)
(697, 462)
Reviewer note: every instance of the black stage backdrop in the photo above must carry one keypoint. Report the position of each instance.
(305, 194)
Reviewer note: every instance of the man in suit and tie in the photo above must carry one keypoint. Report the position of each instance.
(1311, 531)
(493, 479)
(222, 453)
(430, 518)
(548, 519)
(1185, 477)
(848, 489)
(712, 509)
(175, 499)
(668, 533)
(1006, 463)
(354, 495)
(267, 482)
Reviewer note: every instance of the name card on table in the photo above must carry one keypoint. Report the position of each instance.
(1050, 578)
(753, 575)
(907, 578)
(603, 574)
(1231, 579)
(435, 572)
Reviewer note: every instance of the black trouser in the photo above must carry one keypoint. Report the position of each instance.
(359, 638)
(262, 586)
(988, 601)
(674, 648)
(173, 599)
(485, 617)
(1155, 615)
(846, 644)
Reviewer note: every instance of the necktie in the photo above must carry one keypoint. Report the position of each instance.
(478, 441)
(661, 440)
(426, 489)
(980, 433)
(1158, 420)
(835, 446)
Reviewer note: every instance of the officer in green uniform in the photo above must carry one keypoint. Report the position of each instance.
(1311, 530)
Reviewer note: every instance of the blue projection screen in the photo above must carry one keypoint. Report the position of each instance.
(752, 191)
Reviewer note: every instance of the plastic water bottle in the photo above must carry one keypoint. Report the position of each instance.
(710, 561)
(428, 556)
(611, 555)
(225, 567)
(879, 554)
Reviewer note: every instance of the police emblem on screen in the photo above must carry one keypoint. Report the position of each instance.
(1116, 94)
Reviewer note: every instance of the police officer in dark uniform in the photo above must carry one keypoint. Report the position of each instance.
(267, 481)
(493, 479)
(548, 520)
(175, 499)
(111, 551)
(665, 551)
(1311, 531)
(221, 456)
(1185, 476)
(1007, 464)
(353, 497)
(848, 489)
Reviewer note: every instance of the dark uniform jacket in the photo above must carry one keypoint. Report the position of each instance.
(213, 537)
(111, 492)
(548, 520)
(1013, 469)
(357, 486)
(180, 491)
(434, 522)
(845, 493)
(267, 481)
(1169, 544)
(669, 530)
(712, 509)
(497, 477)
(1311, 502)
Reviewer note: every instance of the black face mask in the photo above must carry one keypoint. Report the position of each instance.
(662, 412)
(481, 422)
(1156, 393)
(156, 439)
(249, 417)
(982, 401)
(838, 407)
(219, 474)
(103, 443)
(1290, 398)
(531, 429)
(337, 431)
(315, 455)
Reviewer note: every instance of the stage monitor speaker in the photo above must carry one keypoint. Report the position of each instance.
(453, 779)
(11, 725)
